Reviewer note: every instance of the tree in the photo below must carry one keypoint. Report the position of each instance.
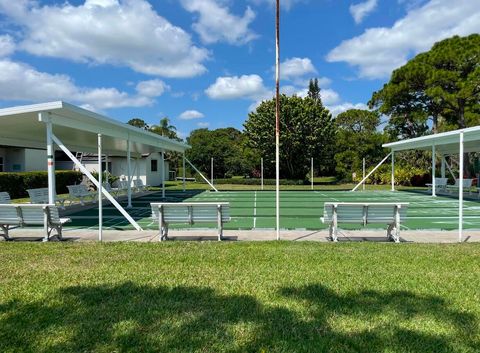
(307, 130)
(357, 137)
(441, 84)
(137, 122)
(226, 146)
(164, 128)
(314, 90)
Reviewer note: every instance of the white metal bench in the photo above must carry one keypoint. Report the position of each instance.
(23, 215)
(80, 192)
(440, 184)
(113, 191)
(122, 186)
(186, 179)
(4, 197)
(190, 213)
(139, 186)
(365, 213)
(40, 195)
(467, 185)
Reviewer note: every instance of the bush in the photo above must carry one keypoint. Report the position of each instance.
(404, 176)
(255, 181)
(16, 184)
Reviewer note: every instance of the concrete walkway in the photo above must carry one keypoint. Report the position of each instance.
(417, 236)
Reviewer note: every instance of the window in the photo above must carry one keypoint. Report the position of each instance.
(1, 164)
(154, 165)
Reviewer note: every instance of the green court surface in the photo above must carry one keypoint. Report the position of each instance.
(298, 209)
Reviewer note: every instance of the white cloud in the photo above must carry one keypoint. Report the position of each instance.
(234, 87)
(190, 115)
(380, 50)
(216, 24)
(203, 124)
(296, 67)
(151, 88)
(361, 10)
(7, 45)
(118, 32)
(340, 108)
(21, 82)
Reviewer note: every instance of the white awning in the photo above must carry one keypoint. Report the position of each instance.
(445, 142)
(78, 128)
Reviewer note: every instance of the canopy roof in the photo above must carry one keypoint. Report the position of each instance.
(445, 142)
(77, 128)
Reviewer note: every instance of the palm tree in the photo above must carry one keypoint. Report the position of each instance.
(164, 128)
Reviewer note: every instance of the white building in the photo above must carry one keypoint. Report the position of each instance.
(16, 159)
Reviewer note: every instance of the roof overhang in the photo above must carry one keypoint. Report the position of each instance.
(445, 142)
(77, 128)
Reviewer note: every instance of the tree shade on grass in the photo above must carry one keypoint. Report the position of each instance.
(239, 297)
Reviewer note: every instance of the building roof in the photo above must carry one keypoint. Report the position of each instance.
(77, 128)
(445, 142)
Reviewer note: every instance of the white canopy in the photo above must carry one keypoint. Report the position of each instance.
(78, 128)
(445, 142)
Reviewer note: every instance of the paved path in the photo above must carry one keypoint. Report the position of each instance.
(417, 236)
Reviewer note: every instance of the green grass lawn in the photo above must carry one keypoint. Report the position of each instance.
(239, 297)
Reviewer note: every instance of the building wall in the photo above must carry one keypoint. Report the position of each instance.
(2, 160)
(15, 160)
(35, 160)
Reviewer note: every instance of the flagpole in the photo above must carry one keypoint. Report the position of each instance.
(277, 117)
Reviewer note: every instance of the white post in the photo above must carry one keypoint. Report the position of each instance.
(311, 165)
(137, 167)
(277, 117)
(184, 173)
(163, 174)
(203, 177)
(211, 170)
(129, 172)
(393, 171)
(434, 186)
(106, 168)
(261, 171)
(442, 169)
(100, 189)
(50, 159)
(460, 192)
(363, 175)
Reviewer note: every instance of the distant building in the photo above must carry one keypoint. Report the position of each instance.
(148, 168)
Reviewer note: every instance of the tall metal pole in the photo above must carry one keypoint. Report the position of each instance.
(184, 171)
(261, 171)
(50, 161)
(311, 181)
(211, 170)
(434, 186)
(100, 187)
(129, 172)
(363, 176)
(460, 191)
(277, 115)
(393, 171)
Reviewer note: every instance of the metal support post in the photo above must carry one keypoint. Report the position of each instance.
(163, 174)
(129, 173)
(100, 188)
(434, 186)
(460, 191)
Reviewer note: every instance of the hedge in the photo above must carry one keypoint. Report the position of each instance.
(256, 181)
(16, 184)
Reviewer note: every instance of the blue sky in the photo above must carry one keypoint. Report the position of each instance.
(207, 63)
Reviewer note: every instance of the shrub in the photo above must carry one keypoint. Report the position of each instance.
(255, 181)
(404, 176)
(16, 184)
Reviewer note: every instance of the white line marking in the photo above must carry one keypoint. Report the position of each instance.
(255, 211)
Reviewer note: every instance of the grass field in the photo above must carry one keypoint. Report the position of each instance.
(299, 209)
(239, 297)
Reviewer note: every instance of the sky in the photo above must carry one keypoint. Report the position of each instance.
(208, 63)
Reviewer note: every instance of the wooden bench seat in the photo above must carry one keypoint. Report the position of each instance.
(190, 213)
(24, 215)
(390, 213)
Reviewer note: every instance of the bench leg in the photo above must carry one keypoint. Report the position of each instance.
(333, 232)
(5, 232)
(393, 232)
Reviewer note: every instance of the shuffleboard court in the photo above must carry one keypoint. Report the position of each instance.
(298, 209)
